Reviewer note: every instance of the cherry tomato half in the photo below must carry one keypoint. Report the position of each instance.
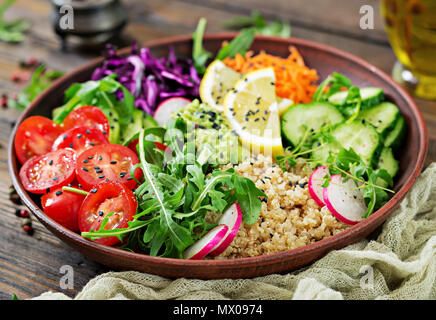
(80, 139)
(34, 137)
(105, 198)
(51, 170)
(63, 207)
(87, 116)
(107, 162)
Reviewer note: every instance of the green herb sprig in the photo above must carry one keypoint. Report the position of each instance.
(260, 25)
(41, 79)
(11, 31)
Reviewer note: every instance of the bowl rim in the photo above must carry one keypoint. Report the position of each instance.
(375, 219)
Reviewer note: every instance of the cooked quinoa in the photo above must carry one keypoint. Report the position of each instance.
(289, 217)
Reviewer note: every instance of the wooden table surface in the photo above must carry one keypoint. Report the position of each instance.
(30, 265)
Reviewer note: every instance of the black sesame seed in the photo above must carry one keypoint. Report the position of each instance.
(85, 161)
(58, 193)
(80, 186)
(290, 184)
(112, 127)
(55, 178)
(101, 213)
(104, 132)
(101, 177)
(65, 137)
(100, 158)
(71, 145)
(122, 174)
(50, 162)
(88, 132)
(92, 143)
(79, 135)
(47, 190)
(84, 169)
(96, 168)
(93, 190)
(91, 157)
(129, 178)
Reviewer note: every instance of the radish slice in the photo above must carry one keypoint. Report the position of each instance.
(316, 181)
(232, 218)
(344, 201)
(206, 244)
(166, 108)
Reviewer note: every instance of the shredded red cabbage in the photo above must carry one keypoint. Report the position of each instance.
(150, 79)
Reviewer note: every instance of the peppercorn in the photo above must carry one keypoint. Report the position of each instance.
(28, 229)
(26, 222)
(4, 101)
(24, 213)
(13, 196)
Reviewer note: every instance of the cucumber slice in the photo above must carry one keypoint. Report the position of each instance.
(362, 137)
(395, 137)
(114, 132)
(382, 116)
(312, 116)
(370, 97)
(148, 121)
(388, 162)
(321, 151)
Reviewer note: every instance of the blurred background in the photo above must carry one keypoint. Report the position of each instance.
(28, 38)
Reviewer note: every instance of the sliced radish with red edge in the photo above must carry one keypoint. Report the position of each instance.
(316, 181)
(232, 218)
(166, 108)
(344, 200)
(206, 244)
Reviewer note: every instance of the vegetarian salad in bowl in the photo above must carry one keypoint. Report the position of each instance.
(224, 156)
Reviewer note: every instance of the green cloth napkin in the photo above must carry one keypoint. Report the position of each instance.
(400, 264)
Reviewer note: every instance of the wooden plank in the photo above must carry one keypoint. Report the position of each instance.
(340, 17)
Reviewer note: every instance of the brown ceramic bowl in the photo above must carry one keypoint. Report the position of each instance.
(321, 57)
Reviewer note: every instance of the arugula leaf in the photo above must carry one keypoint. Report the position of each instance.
(240, 44)
(199, 54)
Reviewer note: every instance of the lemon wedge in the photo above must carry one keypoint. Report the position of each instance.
(283, 104)
(253, 112)
(216, 83)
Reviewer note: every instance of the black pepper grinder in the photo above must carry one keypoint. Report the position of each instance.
(93, 21)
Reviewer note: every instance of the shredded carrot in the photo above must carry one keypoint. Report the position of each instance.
(294, 80)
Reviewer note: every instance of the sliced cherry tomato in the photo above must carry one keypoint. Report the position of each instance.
(80, 139)
(87, 116)
(106, 198)
(107, 162)
(63, 207)
(34, 137)
(52, 170)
